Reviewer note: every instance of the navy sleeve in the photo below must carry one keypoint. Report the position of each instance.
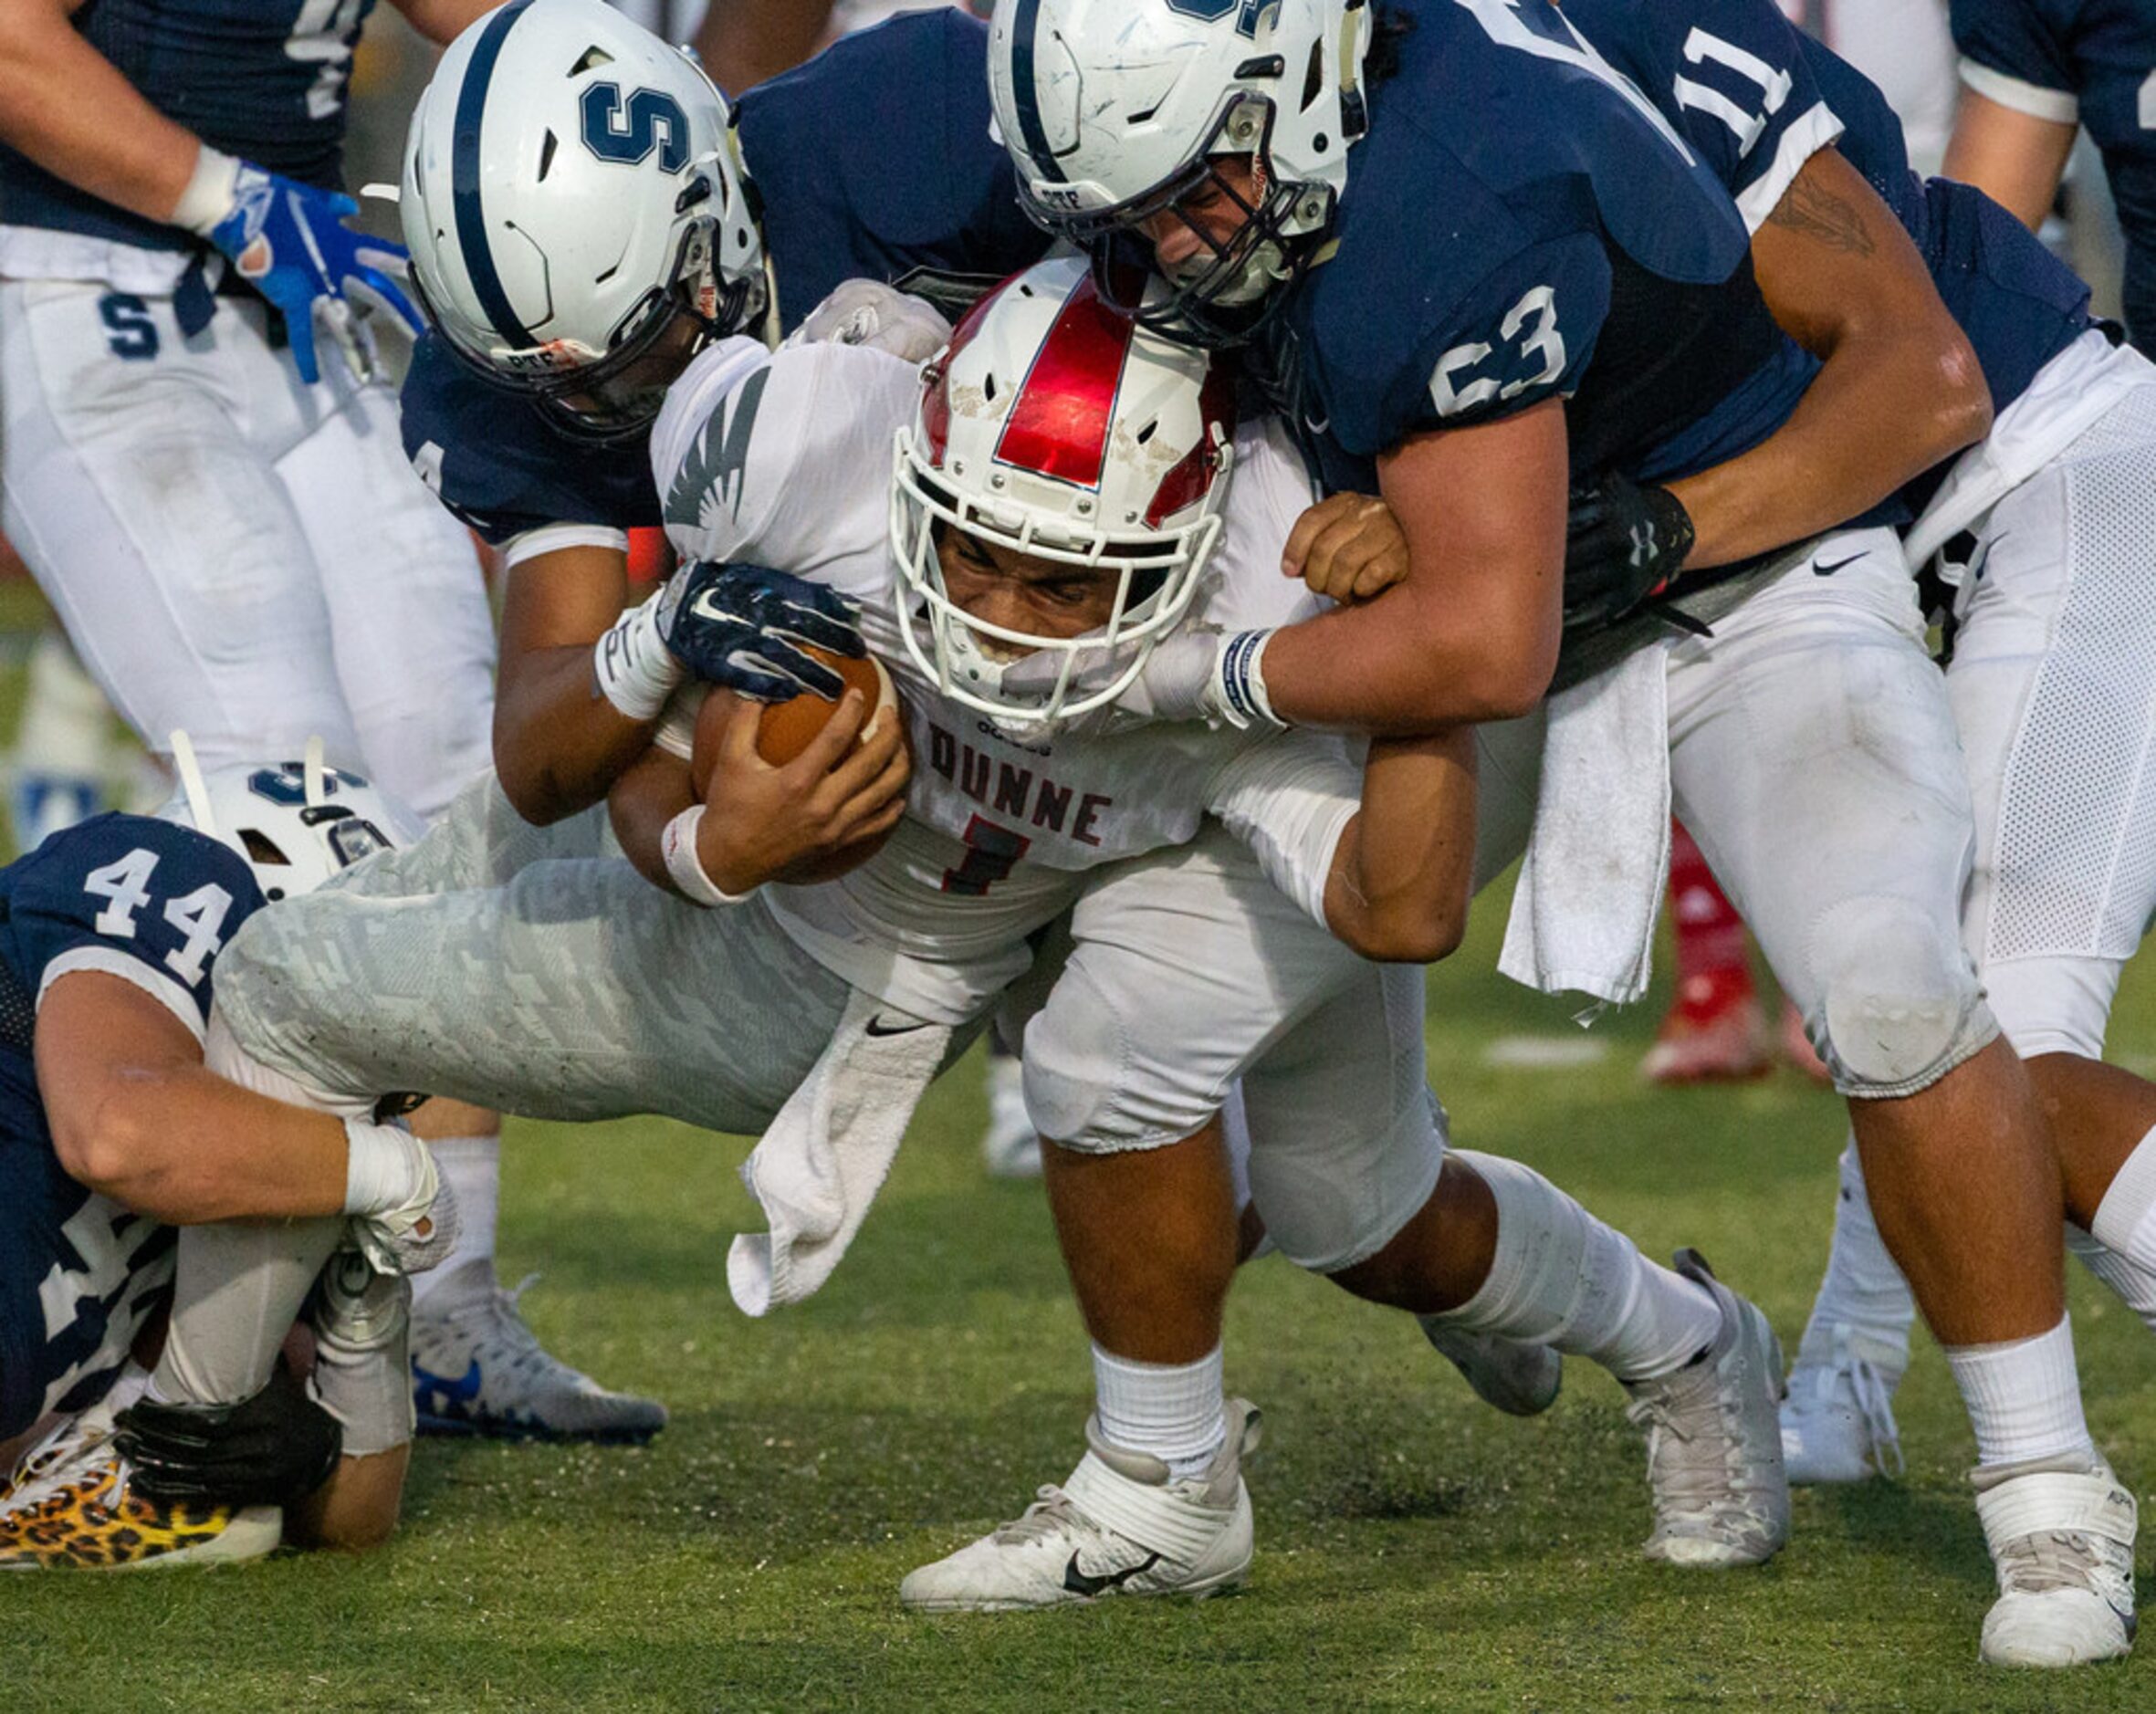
(2016, 39)
(874, 160)
(130, 894)
(494, 460)
(1733, 77)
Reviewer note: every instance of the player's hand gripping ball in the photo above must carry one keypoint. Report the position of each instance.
(785, 730)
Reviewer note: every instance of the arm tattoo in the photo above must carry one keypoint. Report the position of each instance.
(1815, 212)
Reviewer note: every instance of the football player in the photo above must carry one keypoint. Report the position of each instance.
(116, 1134)
(217, 509)
(2045, 662)
(1054, 471)
(1587, 299)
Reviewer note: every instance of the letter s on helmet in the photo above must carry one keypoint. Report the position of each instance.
(571, 195)
(1113, 110)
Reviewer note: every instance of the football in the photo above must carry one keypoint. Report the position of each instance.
(790, 728)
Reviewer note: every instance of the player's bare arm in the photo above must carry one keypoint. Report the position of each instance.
(1404, 869)
(2014, 158)
(69, 109)
(558, 743)
(1900, 389)
(1471, 632)
(440, 20)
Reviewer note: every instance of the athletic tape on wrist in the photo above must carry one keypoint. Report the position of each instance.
(379, 1171)
(209, 193)
(632, 666)
(677, 847)
(1242, 679)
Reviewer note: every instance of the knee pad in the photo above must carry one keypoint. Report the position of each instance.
(1084, 1091)
(1897, 1000)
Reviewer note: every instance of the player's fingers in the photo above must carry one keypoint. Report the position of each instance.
(832, 631)
(736, 738)
(1328, 569)
(805, 670)
(886, 789)
(299, 335)
(836, 740)
(1306, 530)
(384, 294)
(867, 759)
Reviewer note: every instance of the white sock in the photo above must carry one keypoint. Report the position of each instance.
(472, 1165)
(2126, 1217)
(2136, 1287)
(1561, 1278)
(2023, 1397)
(236, 1290)
(1176, 1410)
(1863, 1291)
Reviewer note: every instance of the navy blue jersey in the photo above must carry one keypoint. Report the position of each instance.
(263, 79)
(871, 162)
(153, 903)
(2094, 60)
(1524, 222)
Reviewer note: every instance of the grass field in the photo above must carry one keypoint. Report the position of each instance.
(1415, 1549)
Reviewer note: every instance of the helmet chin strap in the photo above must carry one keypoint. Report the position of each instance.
(311, 773)
(186, 765)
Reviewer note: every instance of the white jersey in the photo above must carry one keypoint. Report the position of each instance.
(784, 459)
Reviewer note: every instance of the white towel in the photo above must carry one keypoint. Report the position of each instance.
(820, 1163)
(1584, 914)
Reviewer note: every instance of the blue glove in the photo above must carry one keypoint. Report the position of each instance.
(743, 626)
(289, 242)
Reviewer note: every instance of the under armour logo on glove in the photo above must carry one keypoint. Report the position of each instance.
(289, 242)
(748, 628)
(1625, 543)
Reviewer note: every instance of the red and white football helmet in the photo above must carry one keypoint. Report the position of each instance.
(1058, 428)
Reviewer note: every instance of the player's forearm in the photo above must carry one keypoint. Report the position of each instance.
(69, 109)
(1883, 410)
(559, 744)
(183, 1145)
(2013, 158)
(1404, 871)
(649, 795)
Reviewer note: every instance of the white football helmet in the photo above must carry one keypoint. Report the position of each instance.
(1057, 428)
(1114, 109)
(295, 823)
(570, 195)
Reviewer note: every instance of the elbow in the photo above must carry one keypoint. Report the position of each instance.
(1424, 935)
(115, 1152)
(531, 791)
(1504, 686)
(1965, 411)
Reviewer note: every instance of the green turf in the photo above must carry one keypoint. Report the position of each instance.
(1415, 1549)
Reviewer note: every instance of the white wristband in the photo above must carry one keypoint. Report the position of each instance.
(631, 664)
(1239, 678)
(209, 195)
(382, 1169)
(677, 847)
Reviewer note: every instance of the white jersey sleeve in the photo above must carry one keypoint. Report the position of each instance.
(779, 458)
(1290, 799)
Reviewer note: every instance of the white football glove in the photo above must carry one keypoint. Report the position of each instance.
(867, 312)
(1199, 673)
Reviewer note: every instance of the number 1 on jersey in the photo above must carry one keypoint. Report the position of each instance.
(991, 852)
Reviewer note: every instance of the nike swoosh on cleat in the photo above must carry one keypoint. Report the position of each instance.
(877, 1027)
(1820, 570)
(1081, 1584)
(458, 1392)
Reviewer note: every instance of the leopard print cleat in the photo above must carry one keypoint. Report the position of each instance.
(78, 1511)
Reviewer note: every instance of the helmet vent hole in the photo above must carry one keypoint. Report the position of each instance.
(590, 60)
(547, 156)
(1313, 78)
(988, 388)
(261, 848)
(1139, 119)
(1145, 433)
(601, 279)
(1264, 66)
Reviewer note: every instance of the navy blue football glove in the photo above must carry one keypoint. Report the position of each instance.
(743, 626)
(289, 242)
(1624, 545)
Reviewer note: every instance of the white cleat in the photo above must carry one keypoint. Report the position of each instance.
(1838, 1421)
(2061, 1534)
(1714, 1444)
(1518, 1378)
(1118, 1527)
(477, 1369)
(1008, 1147)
